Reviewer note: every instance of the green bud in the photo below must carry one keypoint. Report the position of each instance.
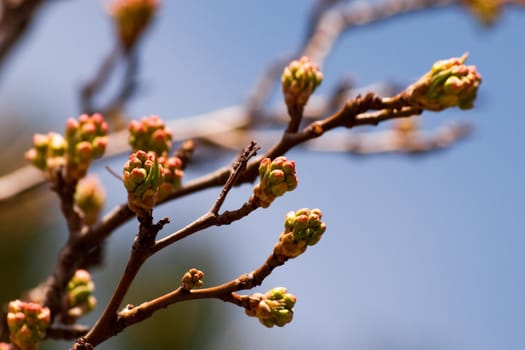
(90, 197)
(450, 83)
(299, 80)
(301, 229)
(47, 153)
(80, 294)
(142, 177)
(276, 178)
(274, 308)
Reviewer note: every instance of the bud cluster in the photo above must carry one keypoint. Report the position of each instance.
(90, 197)
(132, 17)
(27, 323)
(274, 308)
(150, 134)
(192, 279)
(80, 294)
(449, 83)
(142, 178)
(276, 178)
(47, 153)
(172, 170)
(299, 80)
(87, 139)
(301, 229)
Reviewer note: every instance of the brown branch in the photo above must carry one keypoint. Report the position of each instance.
(135, 314)
(66, 332)
(91, 87)
(15, 19)
(340, 19)
(141, 250)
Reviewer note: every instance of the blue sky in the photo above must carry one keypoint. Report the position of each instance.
(420, 253)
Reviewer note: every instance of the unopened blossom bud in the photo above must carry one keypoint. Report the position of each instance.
(150, 134)
(132, 17)
(80, 294)
(192, 279)
(275, 308)
(449, 83)
(48, 152)
(276, 178)
(302, 228)
(5, 346)
(299, 80)
(87, 139)
(27, 323)
(486, 11)
(90, 197)
(172, 169)
(142, 178)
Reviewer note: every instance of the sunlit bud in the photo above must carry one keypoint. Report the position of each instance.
(449, 83)
(142, 177)
(132, 17)
(87, 139)
(192, 279)
(302, 228)
(275, 308)
(299, 80)
(80, 294)
(150, 134)
(173, 173)
(276, 178)
(27, 323)
(47, 152)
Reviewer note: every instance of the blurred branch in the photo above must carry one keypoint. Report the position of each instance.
(16, 17)
(394, 141)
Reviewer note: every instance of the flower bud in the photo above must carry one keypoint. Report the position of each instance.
(132, 17)
(275, 308)
(276, 178)
(150, 134)
(87, 139)
(47, 153)
(142, 178)
(486, 11)
(90, 197)
(302, 228)
(449, 83)
(172, 169)
(299, 80)
(80, 294)
(5, 346)
(27, 323)
(192, 279)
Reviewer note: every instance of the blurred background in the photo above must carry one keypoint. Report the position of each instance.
(421, 252)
